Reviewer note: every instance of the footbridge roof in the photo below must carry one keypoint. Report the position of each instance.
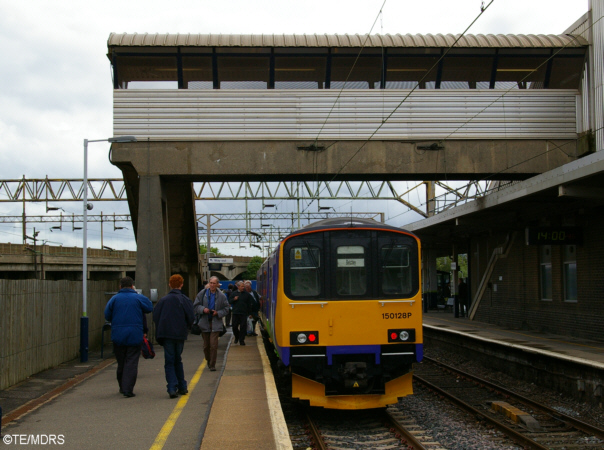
(345, 40)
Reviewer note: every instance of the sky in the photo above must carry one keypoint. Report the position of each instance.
(56, 87)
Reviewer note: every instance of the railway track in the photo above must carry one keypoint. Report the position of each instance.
(527, 422)
(370, 429)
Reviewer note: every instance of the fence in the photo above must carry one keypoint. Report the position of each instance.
(40, 324)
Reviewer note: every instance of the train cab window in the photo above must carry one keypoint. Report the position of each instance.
(351, 272)
(304, 265)
(396, 270)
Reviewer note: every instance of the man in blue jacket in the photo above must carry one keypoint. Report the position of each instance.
(173, 316)
(125, 312)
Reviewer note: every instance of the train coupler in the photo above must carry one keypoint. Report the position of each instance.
(355, 375)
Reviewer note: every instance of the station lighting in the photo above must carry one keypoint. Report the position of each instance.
(86, 208)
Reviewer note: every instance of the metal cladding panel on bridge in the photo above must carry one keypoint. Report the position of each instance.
(205, 115)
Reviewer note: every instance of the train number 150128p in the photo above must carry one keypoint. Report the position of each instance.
(396, 315)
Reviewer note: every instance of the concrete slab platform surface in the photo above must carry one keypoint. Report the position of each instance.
(80, 403)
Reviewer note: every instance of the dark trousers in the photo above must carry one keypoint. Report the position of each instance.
(240, 327)
(127, 365)
(210, 347)
(227, 319)
(175, 375)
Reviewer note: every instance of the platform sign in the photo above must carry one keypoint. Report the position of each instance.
(554, 236)
(220, 260)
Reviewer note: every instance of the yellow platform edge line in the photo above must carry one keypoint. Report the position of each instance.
(165, 431)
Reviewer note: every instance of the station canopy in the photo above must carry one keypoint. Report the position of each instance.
(208, 61)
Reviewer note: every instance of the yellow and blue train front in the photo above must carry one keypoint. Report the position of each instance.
(344, 312)
(373, 369)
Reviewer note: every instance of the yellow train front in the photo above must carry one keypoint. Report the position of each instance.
(342, 305)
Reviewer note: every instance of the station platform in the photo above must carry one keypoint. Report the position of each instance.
(590, 353)
(235, 407)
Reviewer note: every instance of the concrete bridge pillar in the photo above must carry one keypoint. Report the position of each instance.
(152, 263)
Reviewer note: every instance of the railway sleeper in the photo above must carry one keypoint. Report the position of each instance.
(517, 415)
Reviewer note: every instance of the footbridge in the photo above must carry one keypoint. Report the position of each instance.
(220, 108)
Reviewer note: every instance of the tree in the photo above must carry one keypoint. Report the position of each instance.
(252, 268)
(444, 264)
(203, 248)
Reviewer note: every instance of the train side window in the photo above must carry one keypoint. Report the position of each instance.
(351, 272)
(396, 269)
(304, 265)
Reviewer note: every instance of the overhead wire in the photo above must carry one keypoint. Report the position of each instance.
(558, 147)
(553, 55)
(483, 9)
(367, 36)
(384, 120)
(315, 162)
(445, 53)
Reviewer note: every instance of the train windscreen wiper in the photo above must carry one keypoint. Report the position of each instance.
(389, 251)
(312, 255)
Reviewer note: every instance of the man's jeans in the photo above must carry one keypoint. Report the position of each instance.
(175, 375)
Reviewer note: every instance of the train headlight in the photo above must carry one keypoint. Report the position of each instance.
(303, 337)
(401, 335)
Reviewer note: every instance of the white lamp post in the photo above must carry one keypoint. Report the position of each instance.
(87, 207)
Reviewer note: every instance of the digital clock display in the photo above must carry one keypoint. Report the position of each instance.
(554, 236)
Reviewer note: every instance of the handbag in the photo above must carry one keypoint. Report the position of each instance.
(195, 328)
(147, 349)
(223, 332)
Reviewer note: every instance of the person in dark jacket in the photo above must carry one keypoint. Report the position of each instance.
(228, 292)
(255, 299)
(125, 312)
(173, 316)
(211, 305)
(463, 297)
(242, 309)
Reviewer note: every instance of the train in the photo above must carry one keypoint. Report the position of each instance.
(341, 304)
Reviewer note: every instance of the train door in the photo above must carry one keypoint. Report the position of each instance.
(351, 268)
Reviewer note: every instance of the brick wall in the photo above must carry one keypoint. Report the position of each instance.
(514, 298)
